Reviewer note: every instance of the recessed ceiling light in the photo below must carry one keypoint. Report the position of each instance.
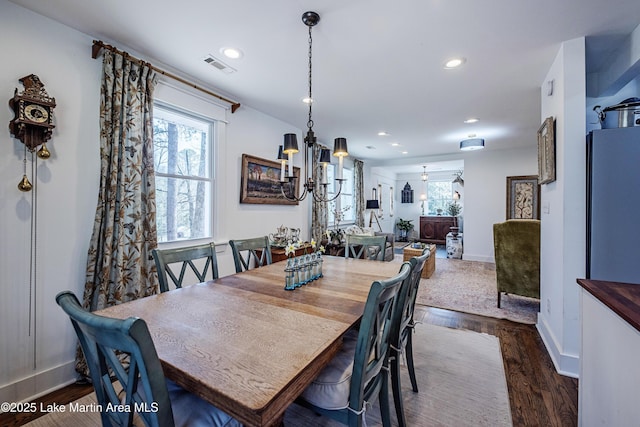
(473, 120)
(307, 100)
(383, 133)
(454, 63)
(231, 52)
(405, 152)
(395, 144)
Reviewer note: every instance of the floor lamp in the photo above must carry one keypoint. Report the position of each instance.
(373, 205)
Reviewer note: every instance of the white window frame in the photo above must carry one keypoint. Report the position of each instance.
(210, 124)
(169, 93)
(429, 210)
(348, 173)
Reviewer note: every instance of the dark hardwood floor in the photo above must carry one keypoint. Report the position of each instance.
(538, 395)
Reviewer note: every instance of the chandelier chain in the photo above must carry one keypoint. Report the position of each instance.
(310, 121)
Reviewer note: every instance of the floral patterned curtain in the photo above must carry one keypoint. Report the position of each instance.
(319, 210)
(358, 184)
(120, 266)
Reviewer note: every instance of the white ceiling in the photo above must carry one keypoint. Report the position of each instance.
(377, 64)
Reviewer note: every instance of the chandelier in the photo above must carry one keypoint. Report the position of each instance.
(290, 147)
(424, 176)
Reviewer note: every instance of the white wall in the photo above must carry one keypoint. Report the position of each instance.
(66, 198)
(563, 241)
(34, 362)
(485, 183)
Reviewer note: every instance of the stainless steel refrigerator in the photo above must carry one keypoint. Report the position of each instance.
(613, 205)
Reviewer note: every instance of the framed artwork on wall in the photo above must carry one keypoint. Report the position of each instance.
(523, 197)
(547, 152)
(260, 182)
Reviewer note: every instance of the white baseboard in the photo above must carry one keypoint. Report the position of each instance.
(478, 258)
(39, 384)
(565, 364)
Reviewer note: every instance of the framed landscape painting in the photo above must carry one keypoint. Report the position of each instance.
(523, 197)
(260, 182)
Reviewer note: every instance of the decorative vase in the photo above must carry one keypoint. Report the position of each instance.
(289, 283)
(454, 245)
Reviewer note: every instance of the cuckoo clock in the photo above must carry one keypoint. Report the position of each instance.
(32, 123)
(33, 110)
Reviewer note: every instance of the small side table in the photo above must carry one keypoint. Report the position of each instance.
(429, 265)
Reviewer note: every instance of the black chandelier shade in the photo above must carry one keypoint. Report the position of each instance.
(290, 143)
(325, 156)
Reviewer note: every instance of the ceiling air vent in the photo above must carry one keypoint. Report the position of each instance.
(215, 62)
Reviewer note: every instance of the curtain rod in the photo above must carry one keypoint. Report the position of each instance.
(99, 45)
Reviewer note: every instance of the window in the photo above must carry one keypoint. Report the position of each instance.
(183, 162)
(344, 205)
(439, 195)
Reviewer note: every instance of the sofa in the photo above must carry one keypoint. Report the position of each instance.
(516, 244)
(367, 231)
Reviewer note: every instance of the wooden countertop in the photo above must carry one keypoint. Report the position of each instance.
(622, 298)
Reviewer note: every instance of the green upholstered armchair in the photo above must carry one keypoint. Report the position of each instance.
(516, 244)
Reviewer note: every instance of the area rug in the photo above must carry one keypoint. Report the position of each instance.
(470, 287)
(460, 376)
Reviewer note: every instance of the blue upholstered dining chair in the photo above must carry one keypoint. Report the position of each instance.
(358, 372)
(369, 247)
(402, 332)
(244, 250)
(204, 254)
(105, 342)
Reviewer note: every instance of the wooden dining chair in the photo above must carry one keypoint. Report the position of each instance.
(245, 250)
(359, 371)
(168, 259)
(121, 354)
(369, 247)
(402, 332)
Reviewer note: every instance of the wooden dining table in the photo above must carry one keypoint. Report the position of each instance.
(248, 346)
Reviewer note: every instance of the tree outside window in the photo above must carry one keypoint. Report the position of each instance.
(439, 195)
(182, 159)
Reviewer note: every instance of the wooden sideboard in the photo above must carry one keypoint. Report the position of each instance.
(279, 254)
(434, 229)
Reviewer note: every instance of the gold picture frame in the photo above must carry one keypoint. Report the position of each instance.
(260, 182)
(523, 197)
(547, 152)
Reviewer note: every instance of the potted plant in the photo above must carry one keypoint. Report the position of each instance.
(454, 210)
(404, 225)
